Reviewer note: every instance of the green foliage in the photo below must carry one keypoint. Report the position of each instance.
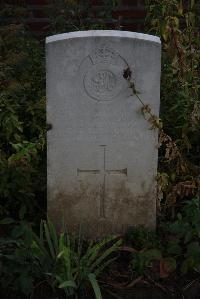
(71, 264)
(140, 237)
(178, 247)
(186, 236)
(22, 122)
(76, 15)
(63, 261)
(177, 23)
(148, 253)
(142, 260)
(18, 267)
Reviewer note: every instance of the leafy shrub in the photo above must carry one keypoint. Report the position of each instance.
(177, 23)
(63, 261)
(178, 247)
(148, 253)
(18, 267)
(142, 260)
(140, 237)
(22, 123)
(186, 236)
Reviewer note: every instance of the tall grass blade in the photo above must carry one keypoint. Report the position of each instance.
(61, 242)
(96, 249)
(103, 266)
(48, 238)
(67, 284)
(95, 285)
(41, 232)
(105, 254)
(53, 235)
(40, 245)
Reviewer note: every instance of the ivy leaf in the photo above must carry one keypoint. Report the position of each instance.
(6, 221)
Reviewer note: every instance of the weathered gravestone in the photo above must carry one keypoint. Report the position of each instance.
(102, 156)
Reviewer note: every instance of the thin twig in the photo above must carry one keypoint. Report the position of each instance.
(190, 283)
(134, 282)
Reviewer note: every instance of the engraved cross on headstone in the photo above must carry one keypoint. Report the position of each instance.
(103, 172)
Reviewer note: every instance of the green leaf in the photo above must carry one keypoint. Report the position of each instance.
(40, 245)
(178, 228)
(41, 233)
(6, 221)
(22, 212)
(95, 285)
(48, 238)
(171, 263)
(106, 253)
(173, 247)
(61, 254)
(103, 266)
(26, 283)
(61, 242)
(187, 265)
(193, 249)
(53, 235)
(188, 237)
(153, 254)
(67, 284)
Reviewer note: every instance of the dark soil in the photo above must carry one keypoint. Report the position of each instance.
(119, 282)
(140, 291)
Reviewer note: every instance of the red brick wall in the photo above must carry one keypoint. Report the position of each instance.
(131, 14)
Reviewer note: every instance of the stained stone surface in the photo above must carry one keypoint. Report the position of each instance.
(102, 155)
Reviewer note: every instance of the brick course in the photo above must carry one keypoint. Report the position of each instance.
(131, 14)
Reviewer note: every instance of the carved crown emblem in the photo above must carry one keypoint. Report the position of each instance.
(104, 54)
(101, 73)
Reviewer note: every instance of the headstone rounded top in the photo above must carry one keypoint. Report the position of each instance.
(102, 33)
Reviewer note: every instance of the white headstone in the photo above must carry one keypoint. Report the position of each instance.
(102, 156)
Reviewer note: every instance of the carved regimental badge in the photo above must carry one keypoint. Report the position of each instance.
(102, 73)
